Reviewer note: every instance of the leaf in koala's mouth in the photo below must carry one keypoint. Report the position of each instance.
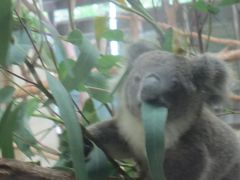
(154, 120)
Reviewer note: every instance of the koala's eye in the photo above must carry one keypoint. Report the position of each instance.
(175, 84)
(137, 78)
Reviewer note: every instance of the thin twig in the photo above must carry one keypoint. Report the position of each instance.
(71, 6)
(148, 19)
(20, 77)
(39, 82)
(30, 37)
(80, 112)
(45, 36)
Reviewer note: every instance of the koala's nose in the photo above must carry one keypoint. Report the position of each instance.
(150, 88)
(152, 91)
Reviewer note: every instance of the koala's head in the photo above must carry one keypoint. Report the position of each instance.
(176, 82)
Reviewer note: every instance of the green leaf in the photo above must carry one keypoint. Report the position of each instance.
(19, 48)
(6, 94)
(168, 40)
(65, 68)
(24, 137)
(106, 62)
(32, 105)
(7, 125)
(5, 30)
(86, 61)
(65, 159)
(113, 35)
(100, 25)
(59, 49)
(204, 7)
(73, 129)
(154, 120)
(201, 6)
(137, 5)
(97, 87)
(99, 168)
(90, 111)
(228, 2)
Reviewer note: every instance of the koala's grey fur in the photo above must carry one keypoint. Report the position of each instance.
(199, 146)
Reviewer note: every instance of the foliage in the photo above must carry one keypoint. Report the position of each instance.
(33, 45)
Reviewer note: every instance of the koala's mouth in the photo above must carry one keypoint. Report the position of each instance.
(159, 102)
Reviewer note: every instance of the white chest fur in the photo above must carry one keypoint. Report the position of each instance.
(132, 129)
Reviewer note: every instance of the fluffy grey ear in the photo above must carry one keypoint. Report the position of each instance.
(210, 78)
(138, 48)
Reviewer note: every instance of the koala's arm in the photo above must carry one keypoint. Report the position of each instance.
(107, 133)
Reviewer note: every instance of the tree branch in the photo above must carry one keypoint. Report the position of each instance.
(17, 170)
(225, 41)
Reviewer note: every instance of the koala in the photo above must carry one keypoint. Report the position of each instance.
(198, 145)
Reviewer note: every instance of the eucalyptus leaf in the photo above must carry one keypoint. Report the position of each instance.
(154, 120)
(99, 168)
(5, 30)
(100, 26)
(228, 2)
(108, 61)
(7, 125)
(113, 35)
(73, 129)
(85, 62)
(6, 94)
(58, 47)
(65, 68)
(24, 137)
(201, 6)
(90, 111)
(205, 7)
(137, 5)
(97, 87)
(19, 48)
(168, 40)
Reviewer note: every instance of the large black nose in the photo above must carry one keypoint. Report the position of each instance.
(153, 90)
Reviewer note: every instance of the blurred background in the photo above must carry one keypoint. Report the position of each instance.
(83, 44)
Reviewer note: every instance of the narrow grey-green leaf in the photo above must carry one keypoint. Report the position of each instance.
(137, 5)
(85, 62)
(65, 68)
(154, 119)
(90, 111)
(228, 2)
(74, 133)
(97, 87)
(205, 7)
(24, 137)
(113, 35)
(106, 62)
(201, 6)
(7, 125)
(99, 168)
(5, 28)
(168, 40)
(19, 49)
(58, 48)
(6, 94)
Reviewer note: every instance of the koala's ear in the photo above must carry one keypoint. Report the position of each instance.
(138, 48)
(210, 78)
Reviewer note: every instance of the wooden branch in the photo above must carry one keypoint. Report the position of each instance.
(17, 170)
(235, 97)
(229, 55)
(225, 41)
(28, 89)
